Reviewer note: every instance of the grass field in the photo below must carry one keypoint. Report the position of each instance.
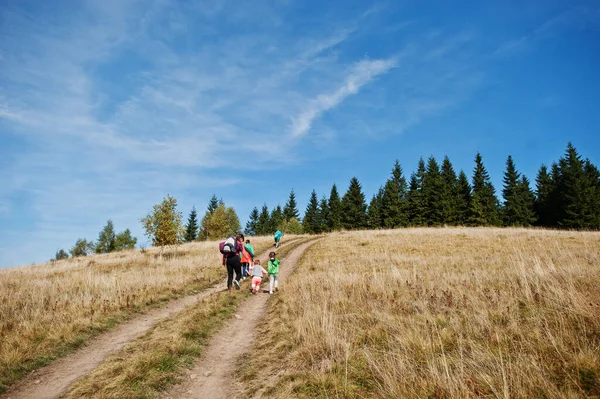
(412, 313)
(441, 313)
(50, 309)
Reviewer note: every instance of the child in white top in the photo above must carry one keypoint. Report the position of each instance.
(257, 271)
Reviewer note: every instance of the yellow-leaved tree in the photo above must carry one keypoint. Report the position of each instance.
(164, 225)
(220, 224)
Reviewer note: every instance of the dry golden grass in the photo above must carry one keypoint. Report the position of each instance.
(152, 363)
(48, 310)
(440, 313)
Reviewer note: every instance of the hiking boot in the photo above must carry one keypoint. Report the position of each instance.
(237, 284)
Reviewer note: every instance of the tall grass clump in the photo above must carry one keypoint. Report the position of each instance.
(50, 309)
(440, 313)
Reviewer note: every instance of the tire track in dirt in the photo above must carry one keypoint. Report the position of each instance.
(53, 380)
(213, 376)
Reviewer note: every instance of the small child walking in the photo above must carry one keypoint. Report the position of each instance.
(257, 271)
(273, 268)
(247, 258)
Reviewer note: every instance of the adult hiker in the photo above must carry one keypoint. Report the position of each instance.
(233, 262)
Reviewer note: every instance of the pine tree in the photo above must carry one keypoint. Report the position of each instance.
(544, 195)
(324, 215)
(432, 191)
(592, 194)
(571, 187)
(335, 209)
(519, 200)
(252, 223)
(263, 226)
(310, 223)
(449, 198)
(277, 218)
(416, 201)
(526, 215)
(463, 200)
(213, 204)
(60, 255)
(82, 247)
(191, 228)
(393, 204)
(125, 240)
(510, 192)
(106, 239)
(164, 224)
(290, 210)
(354, 207)
(374, 210)
(484, 204)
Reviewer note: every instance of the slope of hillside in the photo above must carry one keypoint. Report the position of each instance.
(49, 310)
(435, 313)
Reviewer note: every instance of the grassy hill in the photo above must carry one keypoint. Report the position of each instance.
(436, 313)
(51, 309)
(449, 312)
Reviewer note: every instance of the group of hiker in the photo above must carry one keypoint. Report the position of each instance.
(239, 259)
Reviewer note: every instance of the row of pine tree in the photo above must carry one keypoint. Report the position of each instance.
(566, 196)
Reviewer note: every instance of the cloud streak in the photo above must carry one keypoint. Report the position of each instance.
(361, 74)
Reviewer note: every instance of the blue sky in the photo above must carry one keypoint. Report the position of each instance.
(107, 106)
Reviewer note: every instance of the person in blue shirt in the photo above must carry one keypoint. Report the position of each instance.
(277, 237)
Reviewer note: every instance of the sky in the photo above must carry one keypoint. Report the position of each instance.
(107, 106)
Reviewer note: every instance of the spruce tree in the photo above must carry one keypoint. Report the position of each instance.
(432, 191)
(125, 240)
(277, 218)
(571, 190)
(393, 204)
(374, 210)
(592, 194)
(252, 223)
(543, 197)
(106, 239)
(484, 204)
(263, 226)
(213, 204)
(354, 207)
(526, 215)
(60, 255)
(310, 223)
(191, 228)
(416, 202)
(449, 198)
(463, 200)
(290, 210)
(510, 192)
(324, 215)
(335, 209)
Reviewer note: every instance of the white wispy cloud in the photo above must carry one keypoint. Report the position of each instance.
(361, 74)
(573, 17)
(124, 101)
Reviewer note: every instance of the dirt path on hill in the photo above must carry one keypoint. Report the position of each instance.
(53, 380)
(213, 376)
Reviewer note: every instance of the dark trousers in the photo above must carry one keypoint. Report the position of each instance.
(233, 263)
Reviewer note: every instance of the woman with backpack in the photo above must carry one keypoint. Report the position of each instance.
(232, 261)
